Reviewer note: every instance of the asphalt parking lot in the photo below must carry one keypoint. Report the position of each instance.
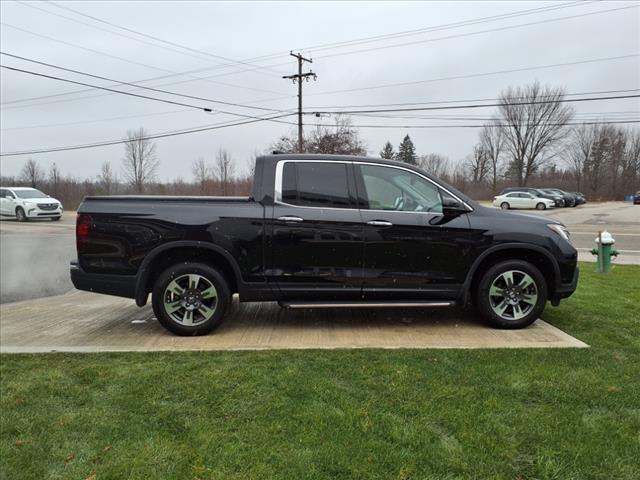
(35, 256)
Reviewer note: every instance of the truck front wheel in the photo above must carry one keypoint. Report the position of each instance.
(190, 298)
(511, 294)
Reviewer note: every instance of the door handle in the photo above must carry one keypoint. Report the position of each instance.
(380, 223)
(290, 218)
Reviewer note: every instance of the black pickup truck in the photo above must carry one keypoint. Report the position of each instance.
(323, 231)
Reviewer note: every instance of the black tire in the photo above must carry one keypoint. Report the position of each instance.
(55, 219)
(485, 303)
(505, 206)
(178, 273)
(541, 206)
(20, 215)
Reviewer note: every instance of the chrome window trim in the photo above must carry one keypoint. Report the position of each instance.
(278, 186)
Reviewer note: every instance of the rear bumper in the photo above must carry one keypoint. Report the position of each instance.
(118, 285)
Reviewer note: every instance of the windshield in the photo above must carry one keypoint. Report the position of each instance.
(30, 193)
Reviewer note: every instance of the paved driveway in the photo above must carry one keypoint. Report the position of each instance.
(85, 322)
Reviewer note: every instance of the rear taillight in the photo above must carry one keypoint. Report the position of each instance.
(83, 229)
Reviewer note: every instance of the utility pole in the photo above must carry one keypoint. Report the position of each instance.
(298, 78)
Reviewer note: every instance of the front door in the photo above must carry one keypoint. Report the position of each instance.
(412, 251)
(316, 233)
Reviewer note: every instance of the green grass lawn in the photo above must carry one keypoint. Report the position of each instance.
(388, 414)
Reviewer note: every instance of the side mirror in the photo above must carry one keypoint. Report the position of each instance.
(452, 207)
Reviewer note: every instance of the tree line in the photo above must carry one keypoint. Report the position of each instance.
(530, 140)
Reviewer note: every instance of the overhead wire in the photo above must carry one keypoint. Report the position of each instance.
(171, 133)
(146, 97)
(143, 87)
(167, 42)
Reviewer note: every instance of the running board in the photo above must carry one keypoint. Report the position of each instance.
(367, 304)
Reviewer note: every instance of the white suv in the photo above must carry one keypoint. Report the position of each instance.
(24, 203)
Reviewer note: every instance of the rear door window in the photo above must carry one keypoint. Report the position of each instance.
(316, 184)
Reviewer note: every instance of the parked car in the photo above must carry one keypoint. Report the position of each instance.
(636, 198)
(26, 203)
(557, 198)
(569, 198)
(522, 200)
(580, 198)
(323, 231)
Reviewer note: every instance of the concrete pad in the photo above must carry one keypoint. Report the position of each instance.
(86, 322)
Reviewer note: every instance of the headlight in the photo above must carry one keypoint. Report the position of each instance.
(560, 230)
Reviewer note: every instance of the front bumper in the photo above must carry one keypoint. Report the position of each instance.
(565, 290)
(33, 211)
(118, 285)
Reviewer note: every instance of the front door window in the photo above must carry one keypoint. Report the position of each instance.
(398, 190)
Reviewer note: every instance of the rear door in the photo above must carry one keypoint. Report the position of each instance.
(412, 251)
(3, 201)
(316, 241)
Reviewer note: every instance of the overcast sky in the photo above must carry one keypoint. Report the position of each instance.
(222, 37)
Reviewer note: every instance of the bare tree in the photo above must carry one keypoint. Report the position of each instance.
(492, 142)
(140, 163)
(201, 173)
(631, 169)
(31, 173)
(54, 178)
(533, 121)
(224, 169)
(106, 178)
(478, 164)
(434, 163)
(580, 146)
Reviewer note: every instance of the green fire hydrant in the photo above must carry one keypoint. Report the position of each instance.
(604, 251)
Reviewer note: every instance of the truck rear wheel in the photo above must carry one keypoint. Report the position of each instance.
(190, 298)
(511, 294)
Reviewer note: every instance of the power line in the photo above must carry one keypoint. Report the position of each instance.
(120, 34)
(491, 30)
(480, 125)
(438, 27)
(146, 97)
(29, 72)
(225, 125)
(133, 62)
(174, 44)
(453, 107)
(147, 137)
(447, 26)
(121, 82)
(483, 74)
(437, 102)
(108, 119)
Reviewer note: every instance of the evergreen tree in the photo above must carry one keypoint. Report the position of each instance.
(407, 151)
(387, 151)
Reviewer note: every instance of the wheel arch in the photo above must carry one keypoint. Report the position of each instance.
(169, 254)
(537, 256)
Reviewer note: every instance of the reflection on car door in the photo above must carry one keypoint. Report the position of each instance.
(411, 248)
(316, 232)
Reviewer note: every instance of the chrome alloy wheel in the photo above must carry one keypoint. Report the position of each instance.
(513, 294)
(190, 299)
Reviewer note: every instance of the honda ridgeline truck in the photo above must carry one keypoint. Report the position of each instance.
(323, 231)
